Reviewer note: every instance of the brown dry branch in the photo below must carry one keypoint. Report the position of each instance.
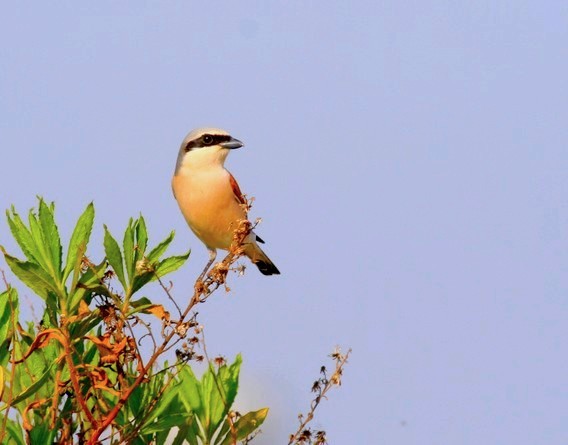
(203, 289)
(5, 280)
(305, 435)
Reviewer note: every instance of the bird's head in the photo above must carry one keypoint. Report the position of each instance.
(206, 146)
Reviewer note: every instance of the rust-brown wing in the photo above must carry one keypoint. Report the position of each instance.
(237, 190)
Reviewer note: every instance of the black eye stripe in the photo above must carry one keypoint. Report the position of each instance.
(200, 142)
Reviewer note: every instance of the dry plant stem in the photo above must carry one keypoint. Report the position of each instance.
(5, 280)
(335, 379)
(126, 394)
(203, 288)
(149, 334)
(167, 291)
(75, 382)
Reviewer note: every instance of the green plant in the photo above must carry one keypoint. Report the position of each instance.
(81, 374)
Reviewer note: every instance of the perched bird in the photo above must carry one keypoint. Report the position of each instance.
(210, 198)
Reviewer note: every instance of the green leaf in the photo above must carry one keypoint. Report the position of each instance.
(89, 283)
(32, 275)
(114, 257)
(82, 249)
(9, 313)
(224, 431)
(34, 387)
(229, 377)
(15, 432)
(223, 390)
(40, 245)
(186, 433)
(161, 437)
(167, 422)
(247, 424)
(42, 433)
(5, 352)
(166, 402)
(189, 390)
(160, 249)
(167, 266)
(22, 235)
(140, 305)
(215, 403)
(141, 280)
(50, 236)
(82, 327)
(128, 249)
(141, 238)
(141, 302)
(171, 264)
(79, 240)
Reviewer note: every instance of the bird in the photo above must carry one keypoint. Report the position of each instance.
(210, 198)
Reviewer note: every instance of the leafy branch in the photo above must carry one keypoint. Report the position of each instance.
(92, 370)
(83, 368)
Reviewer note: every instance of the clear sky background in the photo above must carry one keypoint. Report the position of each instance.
(409, 160)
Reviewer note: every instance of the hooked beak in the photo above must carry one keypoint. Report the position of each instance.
(232, 144)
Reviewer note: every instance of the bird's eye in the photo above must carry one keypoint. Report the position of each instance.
(207, 139)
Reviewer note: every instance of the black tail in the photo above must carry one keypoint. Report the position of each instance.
(267, 267)
(258, 257)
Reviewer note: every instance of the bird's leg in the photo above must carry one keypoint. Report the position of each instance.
(212, 256)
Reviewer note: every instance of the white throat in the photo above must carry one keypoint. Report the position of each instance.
(205, 158)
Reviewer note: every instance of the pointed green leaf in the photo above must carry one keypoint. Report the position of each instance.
(224, 431)
(213, 404)
(162, 437)
(40, 244)
(91, 281)
(141, 302)
(165, 423)
(189, 390)
(79, 240)
(247, 424)
(224, 391)
(141, 280)
(22, 235)
(141, 238)
(9, 313)
(34, 387)
(171, 264)
(15, 432)
(81, 250)
(128, 249)
(163, 268)
(32, 276)
(160, 249)
(51, 238)
(42, 433)
(167, 402)
(229, 377)
(114, 257)
(184, 434)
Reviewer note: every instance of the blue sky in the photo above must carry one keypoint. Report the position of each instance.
(409, 161)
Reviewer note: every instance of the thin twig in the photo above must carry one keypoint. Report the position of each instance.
(167, 291)
(302, 435)
(5, 280)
